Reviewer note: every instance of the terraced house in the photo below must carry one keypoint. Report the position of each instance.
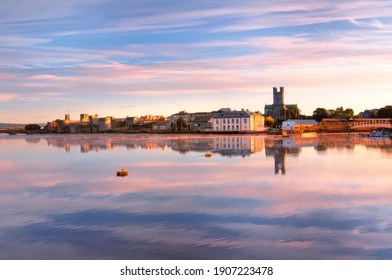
(228, 120)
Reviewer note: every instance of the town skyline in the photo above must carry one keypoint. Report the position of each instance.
(122, 58)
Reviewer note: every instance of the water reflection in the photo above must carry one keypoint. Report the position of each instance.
(332, 203)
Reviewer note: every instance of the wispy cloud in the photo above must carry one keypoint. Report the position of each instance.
(99, 50)
(4, 97)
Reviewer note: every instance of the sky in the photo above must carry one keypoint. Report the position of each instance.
(131, 58)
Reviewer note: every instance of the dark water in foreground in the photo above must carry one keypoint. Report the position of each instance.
(257, 197)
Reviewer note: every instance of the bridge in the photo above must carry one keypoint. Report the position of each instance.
(370, 123)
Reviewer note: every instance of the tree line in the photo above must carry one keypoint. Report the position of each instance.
(340, 113)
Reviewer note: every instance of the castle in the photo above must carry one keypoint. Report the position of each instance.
(278, 109)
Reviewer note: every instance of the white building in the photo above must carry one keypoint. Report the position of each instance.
(230, 120)
(299, 124)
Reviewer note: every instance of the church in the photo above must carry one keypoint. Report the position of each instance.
(278, 109)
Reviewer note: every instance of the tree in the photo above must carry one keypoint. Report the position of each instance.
(349, 112)
(319, 114)
(373, 114)
(269, 121)
(32, 127)
(340, 113)
(181, 124)
(331, 113)
(385, 112)
(293, 112)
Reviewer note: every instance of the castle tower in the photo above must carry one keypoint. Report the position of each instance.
(66, 119)
(84, 118)
(278, 96)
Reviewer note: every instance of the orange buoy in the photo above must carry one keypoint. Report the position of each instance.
(122, 173)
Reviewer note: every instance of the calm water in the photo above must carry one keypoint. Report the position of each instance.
(257, 197)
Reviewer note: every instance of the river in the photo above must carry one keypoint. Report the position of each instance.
(256, 197)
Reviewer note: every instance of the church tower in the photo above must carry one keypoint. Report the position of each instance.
(278, 96)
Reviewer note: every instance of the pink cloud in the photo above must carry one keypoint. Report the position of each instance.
(5, 97)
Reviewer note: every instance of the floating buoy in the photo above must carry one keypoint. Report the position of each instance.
(122, 173)
(208, 155)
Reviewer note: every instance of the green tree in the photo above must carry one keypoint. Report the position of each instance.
(293, 112)
(373, 114)
(269, 121)
(331, 113)
(349, 112)
(385, 112)
(319, 114)
(32, 127)
(339, 113)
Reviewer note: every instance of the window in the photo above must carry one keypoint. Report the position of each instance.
(224, 121)
(238, 120)
(232, 120)
(217, 121)
(245, 120)
(232, 127)
(238, 128)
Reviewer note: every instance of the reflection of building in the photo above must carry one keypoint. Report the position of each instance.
(238, 145)
(184, 145)
(279, 148)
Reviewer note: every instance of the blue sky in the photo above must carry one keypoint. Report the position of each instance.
(119, 58)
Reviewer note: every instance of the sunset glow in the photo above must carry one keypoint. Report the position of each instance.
(130, 58)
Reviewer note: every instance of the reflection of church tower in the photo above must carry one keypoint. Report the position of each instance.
(280, 162)
(276, 149)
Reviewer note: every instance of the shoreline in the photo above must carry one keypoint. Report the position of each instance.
(184, 133)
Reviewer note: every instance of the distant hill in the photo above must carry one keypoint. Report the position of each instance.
(9, 125)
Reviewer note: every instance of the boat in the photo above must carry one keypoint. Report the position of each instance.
(378, 134)
(208, 155)
(122, 173)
